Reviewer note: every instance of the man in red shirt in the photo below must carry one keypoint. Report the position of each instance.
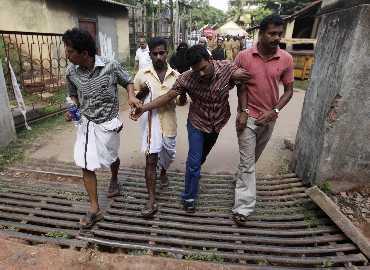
(268, 66)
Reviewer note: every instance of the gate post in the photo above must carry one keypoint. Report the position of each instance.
(333, 138)
(7, 129)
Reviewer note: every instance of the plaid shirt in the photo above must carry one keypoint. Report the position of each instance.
(209, 110)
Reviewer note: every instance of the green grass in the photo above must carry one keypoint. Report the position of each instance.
(326, 187)
(212, 257)
(301, 84)
(15, 151)
(57, 234)
(311, 219)
(284, 167)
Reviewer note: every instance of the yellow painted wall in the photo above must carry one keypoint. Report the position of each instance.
(33, 16)
(123, 38)
(56, 16)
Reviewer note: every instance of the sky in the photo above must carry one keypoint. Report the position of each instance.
(220, 4)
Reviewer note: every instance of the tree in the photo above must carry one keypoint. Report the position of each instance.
(202, 13)
(287, 6)
(266, 7)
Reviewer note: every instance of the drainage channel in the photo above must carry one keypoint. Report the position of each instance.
(287, 230)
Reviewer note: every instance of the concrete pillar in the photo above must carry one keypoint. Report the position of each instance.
(333, 138)
(7, 130)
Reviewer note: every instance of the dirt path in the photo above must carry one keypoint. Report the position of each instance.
(14, 255)
(223, 158)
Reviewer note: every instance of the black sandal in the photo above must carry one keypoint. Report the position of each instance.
(164, 182)
(239, 219)
(148, 212)
(115, 192)
(90, 219)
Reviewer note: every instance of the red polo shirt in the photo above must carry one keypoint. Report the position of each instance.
(263, 87)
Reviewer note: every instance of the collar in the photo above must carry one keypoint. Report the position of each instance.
(143, 50)
(217, 68)
(154, 73)
(277, 54)
(99, 62)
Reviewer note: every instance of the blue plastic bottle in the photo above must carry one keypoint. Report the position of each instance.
(74, 111)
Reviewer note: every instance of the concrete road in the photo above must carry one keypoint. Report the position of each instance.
(224, 157)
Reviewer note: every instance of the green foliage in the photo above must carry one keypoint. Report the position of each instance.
(262, 262)
(7, 227)
(72, 196)
(211, 257)
(310, 219)
(284, 167)
(326, 187)
(327, 263)
(265, 8)
(203, 14)
(139, 252)
(15, 150)
(260, 13)
(57, 234)
(287, 6)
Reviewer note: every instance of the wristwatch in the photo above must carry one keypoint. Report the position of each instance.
(245, 110)
(276, 110)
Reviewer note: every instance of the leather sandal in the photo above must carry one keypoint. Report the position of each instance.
(148, 212)
(239, 219)
(89, 219)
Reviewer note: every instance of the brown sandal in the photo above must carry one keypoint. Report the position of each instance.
(148, 212)
(90, 219)
(115, 192)
(239, 219)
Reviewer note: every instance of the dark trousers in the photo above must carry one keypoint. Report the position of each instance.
(200, 144)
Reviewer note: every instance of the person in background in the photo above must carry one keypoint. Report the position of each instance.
(212, 42)
(219, 52)
(248, 42)
(268, 65)
(242, 43)
(142, 58)
(235, 46)
(203, 42)
(228, 48)
(178, 60)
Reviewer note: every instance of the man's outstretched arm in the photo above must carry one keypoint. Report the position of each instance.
(156, 103)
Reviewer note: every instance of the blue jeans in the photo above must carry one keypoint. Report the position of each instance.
(200, 144)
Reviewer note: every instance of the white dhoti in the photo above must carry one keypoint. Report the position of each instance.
(97, 144)
(159, 144)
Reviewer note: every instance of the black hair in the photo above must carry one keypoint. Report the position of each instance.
(195, 54)
(157, 41)
(182, 45)
(80, 40)
(271, 19)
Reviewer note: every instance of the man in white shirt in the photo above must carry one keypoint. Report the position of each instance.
(142, 57)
